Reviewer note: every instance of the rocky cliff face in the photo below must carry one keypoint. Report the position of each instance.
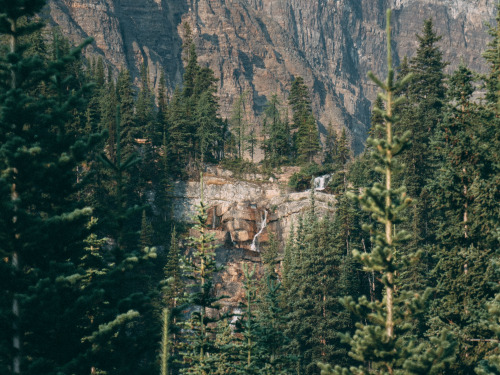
(240, 208)
(258, 46)
(243, 212)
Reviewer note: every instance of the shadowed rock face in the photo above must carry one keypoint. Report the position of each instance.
(259, 46)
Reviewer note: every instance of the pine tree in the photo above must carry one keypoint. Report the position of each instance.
(161, 115)
(491, 55)
(123, 314)
(239, 123)
(272, 356)
(491, 364)
(312, 291)
(200, 267)
(380, 337)
(146, 231)
(307, 136)
(252, 142)
(118, 213)
(463, 254)
(208, 124)
(276, 143)
(178, 131)
(362, 171)
(144, 109)
(43, 223)
(338, 182)
(421, 115)
(331, 151)
(246, 326)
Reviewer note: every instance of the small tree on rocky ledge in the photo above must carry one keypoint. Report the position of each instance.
(379, 341)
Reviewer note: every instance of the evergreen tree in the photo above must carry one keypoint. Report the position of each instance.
(146, 231)
(276, 143)
(144, 109)
(307, 136)
(161, 116)
(125, 97)
(380, 337)
(338, 182)
(463, 253)
(491, 364)
(252, 142)
(421, 115)
(312, 292)
(247, 359)
(362, 171)
(173, 299)
(200, 267)
(239, 124)
(123, 314)
(491, 55)
(208, 124)
(43, 223)
(272, 356)
(178, 131)
(331, 151)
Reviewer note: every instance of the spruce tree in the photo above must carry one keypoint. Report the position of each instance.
(199, 267)
(312, 291)
(208, 124)
(239, 124)
(465, 240)
(43, 222)
(307, 136)
(144, 109)
(161, 115)
(331, 151)
(179, 133)
(421, 114)
(246, 326)
(379, 341)
(276, 142)
(123, 311)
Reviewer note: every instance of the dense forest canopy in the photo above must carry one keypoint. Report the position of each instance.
(97, 278)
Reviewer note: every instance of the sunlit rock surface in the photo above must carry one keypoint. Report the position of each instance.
(259, 46)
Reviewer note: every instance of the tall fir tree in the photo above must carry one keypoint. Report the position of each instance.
(43, 221)
(306, 142)
(199, 267)
(239, 124)
(379, 341)
(312, 291)
(421, 114)
(276, 142)
(463, 257)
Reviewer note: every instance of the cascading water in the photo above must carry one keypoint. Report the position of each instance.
(263, 224)
(321, 182)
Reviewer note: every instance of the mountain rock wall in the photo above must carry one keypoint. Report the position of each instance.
(259, 46)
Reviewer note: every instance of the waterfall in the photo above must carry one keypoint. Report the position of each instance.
(321, 182)
(263, 224)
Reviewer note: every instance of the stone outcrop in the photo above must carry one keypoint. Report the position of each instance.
(237, 208)
(258, 46)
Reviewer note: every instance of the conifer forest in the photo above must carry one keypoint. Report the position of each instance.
(97, 277)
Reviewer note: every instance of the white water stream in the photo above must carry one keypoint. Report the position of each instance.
(263, 224)
(321, 182)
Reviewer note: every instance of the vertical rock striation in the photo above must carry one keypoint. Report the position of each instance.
(259, 46)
